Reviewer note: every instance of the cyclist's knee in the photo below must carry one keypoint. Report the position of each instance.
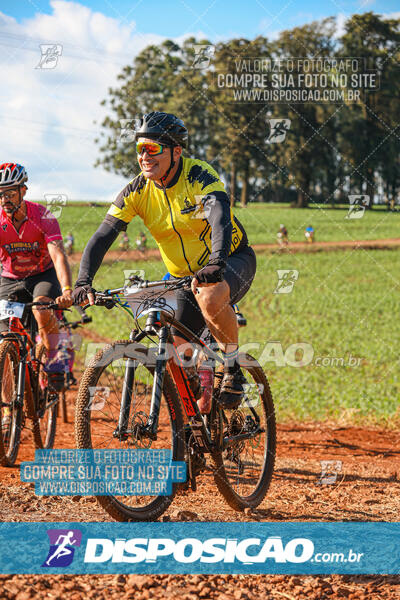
(43, 316)
(212, 298)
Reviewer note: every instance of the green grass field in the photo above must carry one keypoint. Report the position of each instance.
(261, 222)
(344, 306)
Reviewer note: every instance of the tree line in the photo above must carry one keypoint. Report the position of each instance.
(330, 149)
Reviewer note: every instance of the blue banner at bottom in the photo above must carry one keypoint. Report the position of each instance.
(248, 548)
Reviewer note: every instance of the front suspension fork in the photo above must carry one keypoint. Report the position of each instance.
(149, 429)
(21, 382)
(158, 384)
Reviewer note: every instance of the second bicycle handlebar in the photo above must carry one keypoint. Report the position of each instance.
(106, 298)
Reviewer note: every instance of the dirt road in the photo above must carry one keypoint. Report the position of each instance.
(367, 488)
(292, 248)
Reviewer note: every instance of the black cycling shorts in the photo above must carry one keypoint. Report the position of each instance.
(41, 284)
(26, 290)
(239, 274)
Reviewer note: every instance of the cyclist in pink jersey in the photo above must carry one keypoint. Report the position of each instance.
(34, 264)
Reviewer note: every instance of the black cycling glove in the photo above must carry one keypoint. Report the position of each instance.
(80, 293)
(211, 273)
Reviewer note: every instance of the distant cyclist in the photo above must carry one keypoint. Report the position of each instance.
(124, 241)
(141, 242)
(183, 203)
(34, 265)
(282, 236)
(309, 234)
(69, 243)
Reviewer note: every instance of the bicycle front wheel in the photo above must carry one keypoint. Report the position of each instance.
(97, 415)
(247, 441)
(10, 410)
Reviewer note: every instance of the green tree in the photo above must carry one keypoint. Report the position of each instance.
(308, 151)
(145, 86)
(368, 128)
(241, 127)
(190, 99)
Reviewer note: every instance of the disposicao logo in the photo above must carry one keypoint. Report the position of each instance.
(190, 550)
(62, 547)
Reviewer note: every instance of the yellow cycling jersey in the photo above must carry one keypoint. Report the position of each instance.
(176, 216)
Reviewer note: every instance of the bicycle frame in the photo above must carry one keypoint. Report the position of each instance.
(24, 341)
(177, 371)
(163, 322)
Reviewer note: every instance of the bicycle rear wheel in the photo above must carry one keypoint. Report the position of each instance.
(45, 413)
(10, 411)
(97, 414)
(243, 469)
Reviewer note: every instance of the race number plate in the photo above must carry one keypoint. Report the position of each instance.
(11, 309)
(142, 302)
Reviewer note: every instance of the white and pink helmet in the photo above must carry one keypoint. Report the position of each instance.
(12, 174)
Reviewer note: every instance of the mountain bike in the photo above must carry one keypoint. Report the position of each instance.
(25, 395)
(137, 396)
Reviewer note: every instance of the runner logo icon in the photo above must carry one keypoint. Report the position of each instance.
(286, 280)
(279, 129)
(62, 547)
(358, 204)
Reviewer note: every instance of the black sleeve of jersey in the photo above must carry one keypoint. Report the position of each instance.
(219, 217)
(97, 247)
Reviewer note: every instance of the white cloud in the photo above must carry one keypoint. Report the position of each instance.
(47, 115)
(392, 15)
(340, 23)
(304, 18)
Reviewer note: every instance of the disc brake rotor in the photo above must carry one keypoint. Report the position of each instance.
(138, 435)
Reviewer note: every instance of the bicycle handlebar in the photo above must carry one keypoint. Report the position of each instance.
(45, 304)
(144, 283)
(106, 298)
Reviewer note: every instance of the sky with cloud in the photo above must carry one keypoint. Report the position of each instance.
(49, 118)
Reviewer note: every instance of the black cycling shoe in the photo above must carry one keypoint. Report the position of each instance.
(231, 392)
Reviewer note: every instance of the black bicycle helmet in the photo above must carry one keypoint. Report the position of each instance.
(163, 127)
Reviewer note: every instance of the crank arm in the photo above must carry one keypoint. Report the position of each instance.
(230, 441)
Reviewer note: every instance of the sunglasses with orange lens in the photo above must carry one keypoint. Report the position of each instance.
(152, 148)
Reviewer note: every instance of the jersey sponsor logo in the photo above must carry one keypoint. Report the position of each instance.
(188, 207)
(235, 237)
(203, 176)
(22, 247)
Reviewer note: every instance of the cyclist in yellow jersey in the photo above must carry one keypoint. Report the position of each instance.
(183, 203)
